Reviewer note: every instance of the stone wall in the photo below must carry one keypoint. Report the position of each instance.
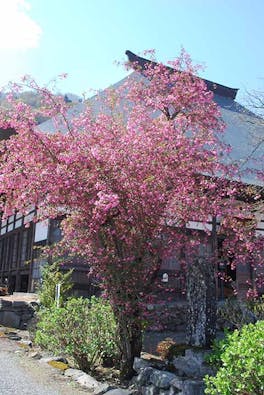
(16, 314)
(184, 376)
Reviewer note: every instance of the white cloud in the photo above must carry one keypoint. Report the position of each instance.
(17, 29)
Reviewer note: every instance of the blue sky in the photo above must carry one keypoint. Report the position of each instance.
(85, 37)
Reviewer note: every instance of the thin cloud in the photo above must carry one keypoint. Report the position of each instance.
(18, 31)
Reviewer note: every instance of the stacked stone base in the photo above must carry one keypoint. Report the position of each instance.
(16, 314)
(184, 378)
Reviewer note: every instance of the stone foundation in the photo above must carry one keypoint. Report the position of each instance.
(16, 314)
(184, 378)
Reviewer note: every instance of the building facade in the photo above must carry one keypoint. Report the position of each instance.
(20, 263)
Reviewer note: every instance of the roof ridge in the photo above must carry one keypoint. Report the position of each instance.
(214, 87)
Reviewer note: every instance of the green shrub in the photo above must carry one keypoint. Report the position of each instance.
(51, 276)
(83, 329)
(241, 364)
(218, 347)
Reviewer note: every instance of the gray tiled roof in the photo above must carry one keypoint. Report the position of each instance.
(244, 130)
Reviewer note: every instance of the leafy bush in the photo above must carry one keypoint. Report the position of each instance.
(83, 329)
(241, 363)
(217, 348)
(52, 275)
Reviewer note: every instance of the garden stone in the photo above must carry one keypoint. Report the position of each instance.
(177, 383)
(73, 373)
(140, 364)
(26, 342)
(143, 376)
(57, 359)
(192, 364)
(187, 367)
(14, 337)
(10, 319)
(197, 355)
(161, 379)
(102, 389)
(88, 381)
(118, 391)
(34, 355)
(175, 391)
(192, 387)
(149, 390)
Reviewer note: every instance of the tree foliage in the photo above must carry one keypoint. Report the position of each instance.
(132, 171)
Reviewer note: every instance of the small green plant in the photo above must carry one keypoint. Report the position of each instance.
(83, 329)
(241, 362)
(51, 276)
(235, 313)
(256, 305)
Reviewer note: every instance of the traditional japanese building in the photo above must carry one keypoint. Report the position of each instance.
(19, 262)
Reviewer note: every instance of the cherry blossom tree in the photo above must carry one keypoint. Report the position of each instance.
(128, 179)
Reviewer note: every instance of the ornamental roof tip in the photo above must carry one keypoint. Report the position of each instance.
(216, 88)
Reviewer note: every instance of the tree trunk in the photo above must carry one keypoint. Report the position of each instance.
(201, 298)
(130, 335)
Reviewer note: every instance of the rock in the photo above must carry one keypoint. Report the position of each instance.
(187, 387)
(58, 365)
(14, 337)
(196, 355)
(102, 389)
(192, 364)
(161, 379)
(140, 364)
(150, 390)
(34, 355)
(10, 319)
(73, 373)
(192, 387)
(174, 391)
(5, 303)
(27, 343)
(143, 376)
(88, 381)
(177, 383)
(118, 391)
(57, 359)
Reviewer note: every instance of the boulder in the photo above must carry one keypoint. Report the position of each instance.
(73, 373)
(57, 359)
(118, 391)
(102, 389)
(192, 387)
(192, 364)
(88, 381)
(161, 379)
(144, 376)
(177, 383)
(140, 364)
(149, 390)
(10, 319)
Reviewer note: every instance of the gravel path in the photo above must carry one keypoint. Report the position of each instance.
(20, 375)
